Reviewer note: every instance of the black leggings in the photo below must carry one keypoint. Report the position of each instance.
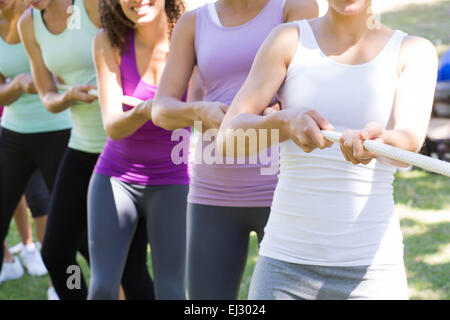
(218, 240)
(114, 209)
(20, 156)
(67, 232)
(37, 195)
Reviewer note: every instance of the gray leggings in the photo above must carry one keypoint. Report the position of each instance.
(279, 280)
(114, 208)
(218, 239)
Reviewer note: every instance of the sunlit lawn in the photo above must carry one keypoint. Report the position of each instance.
(429, 20)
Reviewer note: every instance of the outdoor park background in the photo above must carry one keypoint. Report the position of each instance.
(422, 199)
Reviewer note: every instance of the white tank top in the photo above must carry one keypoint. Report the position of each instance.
(327, 211)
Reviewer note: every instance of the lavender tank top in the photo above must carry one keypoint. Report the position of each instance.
(224, 58)
(144, 157)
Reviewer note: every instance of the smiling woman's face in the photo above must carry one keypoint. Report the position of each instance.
(349, 7)
(142, 11)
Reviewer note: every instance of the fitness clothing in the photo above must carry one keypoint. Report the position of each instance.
(67, 220)
(226, 202)
(20, 156)
(218, 248)
(66, 231)
(144, 157)
(32, 139)
(279, 280)
(66, 224)
(222, 184)
(68, 55)
(26, 114)
(37, 195)
(114, 208)
(135, 177)
(327, 211)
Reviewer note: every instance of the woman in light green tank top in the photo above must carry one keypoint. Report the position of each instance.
(58, 36)
(32, 139)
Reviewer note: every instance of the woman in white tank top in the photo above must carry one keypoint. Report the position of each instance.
(332, 231)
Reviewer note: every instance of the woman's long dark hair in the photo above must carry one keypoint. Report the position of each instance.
(117, 25)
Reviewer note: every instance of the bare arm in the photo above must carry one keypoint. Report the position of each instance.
(414, 99)
(300, 9)
(410, 117)
(10, 91)
(117, 123)
(266, 76)
(195, 91)
(43, 79)
(168, 111)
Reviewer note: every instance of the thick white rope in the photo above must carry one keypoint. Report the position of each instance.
(415, 159)
(131, 101)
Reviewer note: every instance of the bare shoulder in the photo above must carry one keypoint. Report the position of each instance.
(26, 20)
(103, 47)
(101, 39)
(285, 35)
(26, 27)
(413, 43)
(286, 31)
(282, 42)
(300, 9)
(186, 24)
(415, 50)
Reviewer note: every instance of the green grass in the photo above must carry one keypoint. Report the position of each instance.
(423, 204)
(430, 21)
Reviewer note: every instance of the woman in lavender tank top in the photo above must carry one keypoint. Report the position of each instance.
(135, 177)
(226, 201)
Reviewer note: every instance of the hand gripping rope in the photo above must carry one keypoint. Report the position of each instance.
(415, 159)
(131, 101)
(418, 160)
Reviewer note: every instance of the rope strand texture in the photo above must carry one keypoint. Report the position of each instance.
(415, 159)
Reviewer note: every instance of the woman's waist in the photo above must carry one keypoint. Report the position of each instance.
(30, 110)
(141, 152)
(329, 206)
(140, 171)
(234, 176)
(333, 235)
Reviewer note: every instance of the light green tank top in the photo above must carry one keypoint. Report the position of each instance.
(69, 56)
(26, 114)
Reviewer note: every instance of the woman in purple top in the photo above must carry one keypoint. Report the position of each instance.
(135, 176)
(226, 201)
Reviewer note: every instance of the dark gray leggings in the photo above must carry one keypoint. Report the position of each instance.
(114, 208)
(218, 239)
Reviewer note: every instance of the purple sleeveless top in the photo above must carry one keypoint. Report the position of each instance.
(144, 157)
(224, 58)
